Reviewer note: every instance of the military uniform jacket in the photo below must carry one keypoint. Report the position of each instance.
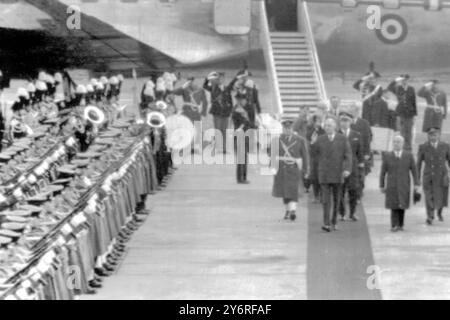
(435, 179)
(287, 180)
(221, 99)
(334, 157)
(363, 127)
(406, 107)
(395, 176)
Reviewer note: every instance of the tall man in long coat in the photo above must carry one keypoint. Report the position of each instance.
(395, 181)
(351, 183)
(406, 109)
(335, 164)
(434, 154)
(436, 109)
(293, 160)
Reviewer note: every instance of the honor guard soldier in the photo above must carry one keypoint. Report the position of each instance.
(242, 123)
(293, 162)
(434, 155)
(351, 183)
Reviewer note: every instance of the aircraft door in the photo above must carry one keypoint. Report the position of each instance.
(282, 15)
(232, 16)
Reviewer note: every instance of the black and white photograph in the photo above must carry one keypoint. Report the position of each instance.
(224, 150)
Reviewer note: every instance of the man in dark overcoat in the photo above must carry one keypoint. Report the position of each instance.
(434, 155)
(293, 161)
(335, 164)
(351, 183)
(397, 168)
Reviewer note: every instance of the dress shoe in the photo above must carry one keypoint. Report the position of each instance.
(429, 222)
(95, 284)
(354, 218)
(400, 229)
(334, 227)
(293, 216)
(90, 291)
(102, 272)
(109, 267)
(394, 229)
(244, 182)
(286, 216)
(326, 228)
(342, 218)
(441, 218)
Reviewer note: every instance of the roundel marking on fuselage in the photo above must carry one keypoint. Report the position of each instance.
(393, 29)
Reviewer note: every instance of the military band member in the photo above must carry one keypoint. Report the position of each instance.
(434, 155)
(397, 168)
(406, 108)
(351, 183)
(370, 91)
(242, 123)
(436, 109)
(334, 157)
(293, 163)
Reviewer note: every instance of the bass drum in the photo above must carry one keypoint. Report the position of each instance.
(180, 132)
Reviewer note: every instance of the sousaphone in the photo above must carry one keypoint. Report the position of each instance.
(94, 115)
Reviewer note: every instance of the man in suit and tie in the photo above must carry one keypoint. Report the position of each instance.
(435, 156)
(395, 181)
(406, 108)
(351, 183)
(334, 158)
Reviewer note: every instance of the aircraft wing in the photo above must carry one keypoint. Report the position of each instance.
(433, 5)
(21, 15)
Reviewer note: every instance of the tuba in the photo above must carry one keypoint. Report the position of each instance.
(94, 115)
(156, 119)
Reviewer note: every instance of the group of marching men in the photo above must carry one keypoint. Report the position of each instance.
(332, 148)
(238, 100)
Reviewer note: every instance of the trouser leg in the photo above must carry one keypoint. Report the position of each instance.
(344, 190)
(430, 213)
(353, 194)
(326, 200)
(401, 218)
(394, 218)
(336, 189)
(316, 189)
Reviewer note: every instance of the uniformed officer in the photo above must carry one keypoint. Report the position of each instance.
(351, 183)
(406, 108)
(435, 156)
(436, 109)
(293, 162)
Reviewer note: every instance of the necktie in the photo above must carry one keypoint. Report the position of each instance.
(330, 137)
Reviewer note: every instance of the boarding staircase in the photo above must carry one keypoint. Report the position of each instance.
(295, 68)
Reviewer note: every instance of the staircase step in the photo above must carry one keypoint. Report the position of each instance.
(293, 62)
(298, 92)
(286, 34)
(299, 97)
(300, 74)
(292, 58)
(289, 52)
(293, 68)
(286, 87)
(280, 46)
(296, 104)
(288, 41)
